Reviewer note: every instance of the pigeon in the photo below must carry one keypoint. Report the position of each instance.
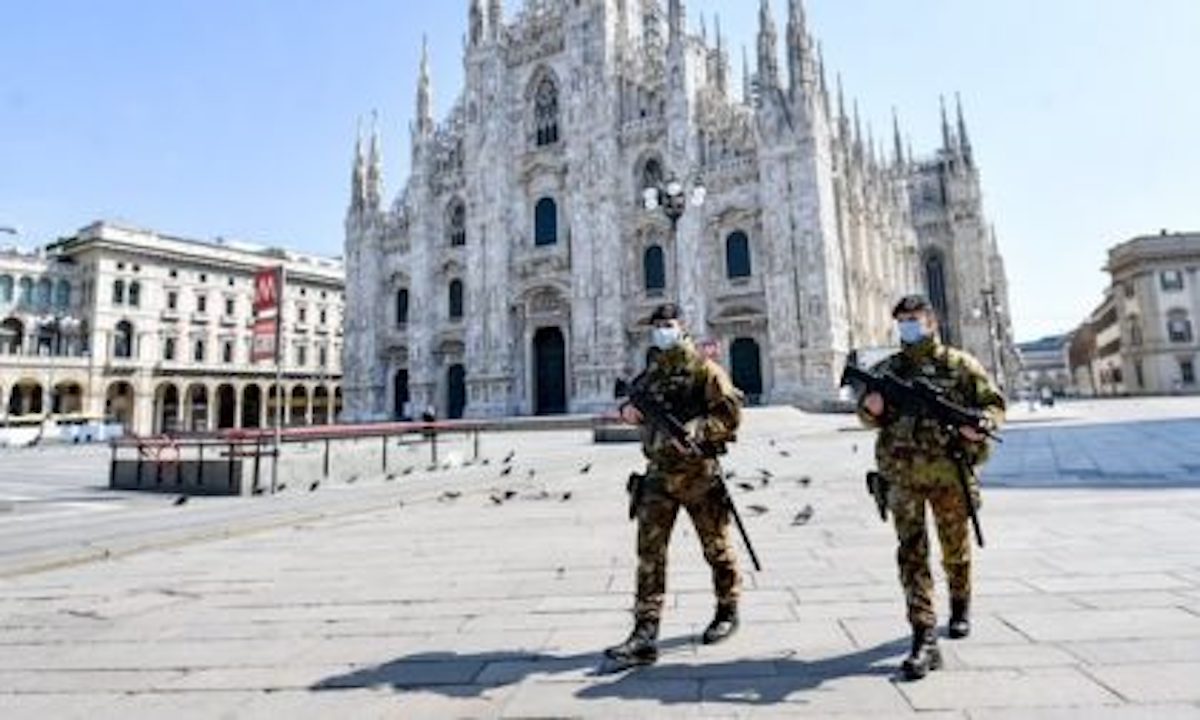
(497, 499)
(431, 468)
(390, 477)
(281, 487)
(757, 509)
(585, 469)
(507, 469)
(531, 473)
(745, 486)
(450, 495)
(784, 453)
(854, 448)
(566, 496)
(256, 491)
(510, 494)
(407, 471)
(764, 481)
(771, 442)
(805, 480)
(181, 500)
(803, 516)
(730, 474)
(766, 473)
(485, 461)
(315, 484)
(508, 458)
(352, 479)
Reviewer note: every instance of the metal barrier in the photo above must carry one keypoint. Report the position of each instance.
(231, 462)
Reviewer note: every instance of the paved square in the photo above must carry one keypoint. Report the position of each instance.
(434, 596)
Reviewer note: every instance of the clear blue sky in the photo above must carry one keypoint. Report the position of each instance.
(237, 117)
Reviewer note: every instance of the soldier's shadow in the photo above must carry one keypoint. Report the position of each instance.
(751, 681)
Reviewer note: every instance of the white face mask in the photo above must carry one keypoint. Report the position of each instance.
(665, 338)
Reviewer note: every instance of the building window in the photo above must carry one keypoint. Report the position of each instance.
(169, 349)
(26, 291)
(227, 352)
(303, 292)
(202, 304)
(1135, 332)
(301, 356)
(62, 294)
(172, 273)
(1179, 327)
(230, 306)
(118, 296)
(456, 299)
(123, 340)
(1187, 372)
(456, 223)
(44, 291)
(402, 306)
(172, 300)
(322, 356)
(1171, 279)
(230, 281)
(135, 294)
(203, 278)
(1137, 371)
(654, 270)
(301, 314)
(545, 222)
(198, 351)
(935, 284)
(1128, 285)
(324, 316)
(545, 111)
(6, 288)
(737, 255)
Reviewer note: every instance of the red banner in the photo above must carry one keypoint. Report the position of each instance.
(267, 289)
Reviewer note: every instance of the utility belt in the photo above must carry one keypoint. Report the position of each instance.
(643, 485)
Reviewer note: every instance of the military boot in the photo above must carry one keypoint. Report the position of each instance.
(960, 618)
(640, 648)
(924, 655)
(724, 624)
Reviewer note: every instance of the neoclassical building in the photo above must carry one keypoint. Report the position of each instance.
(154, 330)
(509, 273)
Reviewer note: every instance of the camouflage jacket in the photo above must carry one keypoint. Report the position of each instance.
(700, 394)
(912, 447)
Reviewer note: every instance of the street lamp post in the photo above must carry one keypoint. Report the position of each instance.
(672, 197)
(990, 311)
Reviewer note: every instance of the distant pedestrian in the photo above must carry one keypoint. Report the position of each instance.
(921, 462)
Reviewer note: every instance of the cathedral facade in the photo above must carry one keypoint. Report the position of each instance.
(602, 159)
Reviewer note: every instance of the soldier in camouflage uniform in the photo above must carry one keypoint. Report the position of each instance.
(916, 456)
(699, 393)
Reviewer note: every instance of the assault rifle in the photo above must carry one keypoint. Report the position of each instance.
(657, 417)
(877, 486)
(920, 398)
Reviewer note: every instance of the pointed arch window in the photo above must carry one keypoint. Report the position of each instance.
(737, 255)
(456, 223)
(654, 270)
(935, 285)
(402, 306)
(456, 299)
(545, 222)
(1179, 327)
(545, 111)
(62, 294)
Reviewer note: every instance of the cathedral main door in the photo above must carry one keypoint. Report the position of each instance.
(550, 372)
(747, 369)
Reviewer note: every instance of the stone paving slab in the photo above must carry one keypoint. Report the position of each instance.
(443, 608)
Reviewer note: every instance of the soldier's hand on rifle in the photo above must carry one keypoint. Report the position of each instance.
(972, 434)
(873, 403)
(630, 415)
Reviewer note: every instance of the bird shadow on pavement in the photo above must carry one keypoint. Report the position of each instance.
(750, 681)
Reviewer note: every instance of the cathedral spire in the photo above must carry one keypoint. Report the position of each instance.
(475, 22)
(768, 58)
(947, 145)
(858, 136)
(722, 65)
(676, 20)
(424, 93)
(358, 173)
(495, 19)
(374, 184)
(799, 49)
(899, 146)
(703, 30)
(747, 88)
(964, 142)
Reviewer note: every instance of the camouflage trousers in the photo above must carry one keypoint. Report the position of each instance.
(660, 503)
(907, 501)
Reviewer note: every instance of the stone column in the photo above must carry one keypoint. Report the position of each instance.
(237, 406)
